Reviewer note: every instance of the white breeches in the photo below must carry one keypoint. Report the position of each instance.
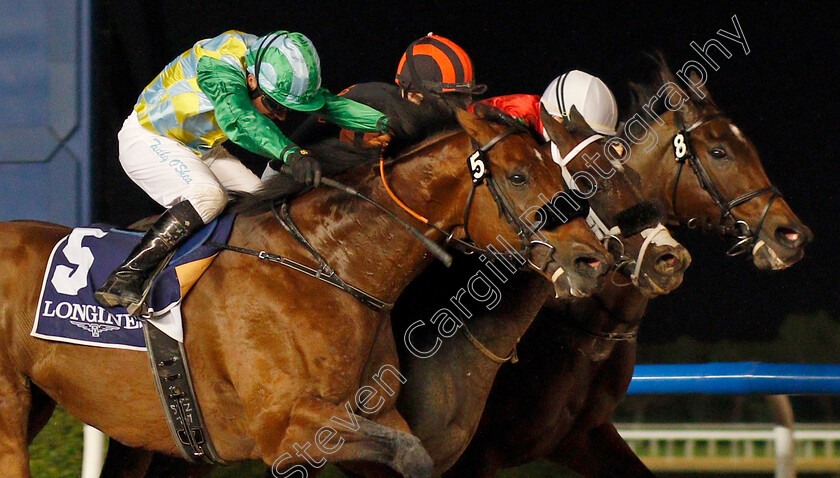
(169, 172)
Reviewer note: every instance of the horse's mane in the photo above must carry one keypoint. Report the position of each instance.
(416, 123)
(642, 92)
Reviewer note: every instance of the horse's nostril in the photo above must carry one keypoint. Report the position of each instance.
(589, 266)
(669, 263)
(789, 237)
(669, 259)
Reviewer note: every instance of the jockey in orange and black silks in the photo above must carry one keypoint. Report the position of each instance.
(233, 86)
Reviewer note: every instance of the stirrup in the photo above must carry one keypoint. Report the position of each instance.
(146, 312)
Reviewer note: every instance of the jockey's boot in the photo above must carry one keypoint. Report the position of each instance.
(125, 286)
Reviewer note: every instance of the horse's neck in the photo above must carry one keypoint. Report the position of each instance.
(613, 309)
(370, 250)
(500, 329)
(624, 306)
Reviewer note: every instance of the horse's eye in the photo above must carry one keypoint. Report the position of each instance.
(718, 153)
(518, 179)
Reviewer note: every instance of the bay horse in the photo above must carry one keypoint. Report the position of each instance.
(278, 358)
(557, 402)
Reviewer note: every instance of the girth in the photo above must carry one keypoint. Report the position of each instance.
(177, 395)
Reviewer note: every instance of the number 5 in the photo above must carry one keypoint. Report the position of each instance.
(65, 280)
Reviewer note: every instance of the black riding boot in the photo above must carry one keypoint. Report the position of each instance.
(125, 286)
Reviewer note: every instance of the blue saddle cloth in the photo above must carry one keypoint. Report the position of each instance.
(83, 260)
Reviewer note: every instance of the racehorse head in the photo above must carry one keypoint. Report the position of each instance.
(503, 187)
(630, 227)
(507, 190)
(709, 172)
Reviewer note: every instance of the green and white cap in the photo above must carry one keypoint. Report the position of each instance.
(287, 69)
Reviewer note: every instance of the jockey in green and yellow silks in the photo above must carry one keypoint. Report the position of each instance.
(230, 87)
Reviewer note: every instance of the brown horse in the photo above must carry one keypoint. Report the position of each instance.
(557, 403)
(445, 392)
(275, 368)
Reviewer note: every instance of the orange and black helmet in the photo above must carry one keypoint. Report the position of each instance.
(437, 64)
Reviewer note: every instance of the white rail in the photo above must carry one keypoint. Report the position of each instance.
(728, 447)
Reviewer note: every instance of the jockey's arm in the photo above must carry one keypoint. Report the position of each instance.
(352, 115)
(524, 107)
(237, 117)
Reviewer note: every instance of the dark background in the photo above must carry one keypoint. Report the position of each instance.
(782, 95)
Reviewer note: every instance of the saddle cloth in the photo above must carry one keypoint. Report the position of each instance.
(81, 261)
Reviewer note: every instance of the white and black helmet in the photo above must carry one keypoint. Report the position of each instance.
(588, 94)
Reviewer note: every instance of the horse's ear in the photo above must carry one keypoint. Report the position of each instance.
(557, 132)
(695, 80)
(663, 71)
(578, 124)
(476, 127)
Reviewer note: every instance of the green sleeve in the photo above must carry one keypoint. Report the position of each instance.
(225, 86)
(351, 114)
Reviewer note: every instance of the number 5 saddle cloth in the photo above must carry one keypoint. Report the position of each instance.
(81, 261)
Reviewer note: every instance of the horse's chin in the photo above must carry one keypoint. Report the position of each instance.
(562, 289)
(565, 288)
(766, 257)
(651, 288)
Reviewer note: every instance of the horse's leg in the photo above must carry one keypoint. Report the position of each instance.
(165, 466)
(15, 404)
(40, 412)
(602, 453)
(351, 438)
(125, 462)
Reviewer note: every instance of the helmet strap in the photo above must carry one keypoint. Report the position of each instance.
(258, 59)
(416, 82)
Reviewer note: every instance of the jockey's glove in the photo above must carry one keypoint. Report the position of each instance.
(394, 126)
(304, 167)
(389, 128)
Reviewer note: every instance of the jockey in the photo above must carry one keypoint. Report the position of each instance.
(233, 86)
(592, 98)
(432, 68)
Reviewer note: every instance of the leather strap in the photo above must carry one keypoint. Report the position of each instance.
(177, 395)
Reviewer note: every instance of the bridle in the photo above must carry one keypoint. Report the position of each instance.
(477, 164)
(746, 238)
(656, 235)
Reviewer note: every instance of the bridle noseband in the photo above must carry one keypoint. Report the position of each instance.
(746, 238)
(657, 235)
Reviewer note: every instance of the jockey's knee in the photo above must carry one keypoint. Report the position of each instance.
(209, 200)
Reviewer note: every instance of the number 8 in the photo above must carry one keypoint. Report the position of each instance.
(680, 147)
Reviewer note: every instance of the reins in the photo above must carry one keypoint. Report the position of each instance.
(324, 272)
(480, 174)
(729, 225)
